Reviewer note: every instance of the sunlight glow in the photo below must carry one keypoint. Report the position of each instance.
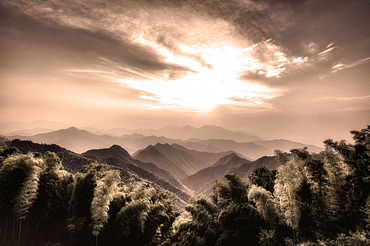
(213, 79)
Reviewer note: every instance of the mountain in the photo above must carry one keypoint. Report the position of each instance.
(117, 152)
(176, 161)
(138, 141)
(188, 132)
(253, 150)
(203, 179)
(209, 157)
(248, 149)
(71, 161)
(152, 155)
(129, 172)
(17, 128)
(204, 132)
(245, 170)
(80, 141)
(30, 132)
(287, 145)
(74, 139)
(231, 160)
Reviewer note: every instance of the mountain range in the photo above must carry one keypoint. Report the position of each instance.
(31, 128)
(178, 160)
(80, 141)
(189, 132)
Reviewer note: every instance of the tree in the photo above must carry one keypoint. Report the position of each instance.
(263, 177)
(227, 218)
(265, 204)
(106, 188)
(19, 182)
(288, 180)
(50, 210)
(80, 203)
(356, 158)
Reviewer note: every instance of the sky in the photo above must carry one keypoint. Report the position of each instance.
(296, 69)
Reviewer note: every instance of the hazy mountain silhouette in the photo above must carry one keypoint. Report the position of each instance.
(152, 155)
(80, 141)
(139, 141)
(253, 150)
(248, 149)
(209, 157)
(17, 128)
(206, 132)
(231, 160)
(203, 179)
(31, 132)
(73, 139)
(287, 145)
(117, 152)
(188, 132)
(176, 161)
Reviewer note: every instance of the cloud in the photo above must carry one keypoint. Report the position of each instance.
(181, 55)
(340, 66)
(354, 98)
(174, 57)
(200, 92)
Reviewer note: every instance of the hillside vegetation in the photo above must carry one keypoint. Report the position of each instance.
(310, 199)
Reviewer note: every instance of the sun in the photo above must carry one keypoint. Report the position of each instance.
(214, 80)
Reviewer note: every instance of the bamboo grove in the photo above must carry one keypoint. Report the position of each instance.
(311, 199)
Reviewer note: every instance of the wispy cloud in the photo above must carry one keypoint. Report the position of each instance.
(340, 66)
(354, 98)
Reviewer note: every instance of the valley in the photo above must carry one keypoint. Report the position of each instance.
(183, 161)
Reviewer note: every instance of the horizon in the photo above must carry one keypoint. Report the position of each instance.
(13, 128)
(296, 70)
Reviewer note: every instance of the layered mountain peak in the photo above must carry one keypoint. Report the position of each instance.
(119, 150)
(231, 160)
(115, 151)
(71, 129)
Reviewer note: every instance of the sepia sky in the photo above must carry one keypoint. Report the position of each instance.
(294, 69)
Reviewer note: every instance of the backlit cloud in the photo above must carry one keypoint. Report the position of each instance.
(340, 66)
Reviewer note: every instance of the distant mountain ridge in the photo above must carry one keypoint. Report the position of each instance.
(184, 163)
(189, 132)
(80, 141)
(34, 127)
(202, 181)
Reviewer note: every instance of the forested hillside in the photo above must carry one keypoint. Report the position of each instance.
(310, 199)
